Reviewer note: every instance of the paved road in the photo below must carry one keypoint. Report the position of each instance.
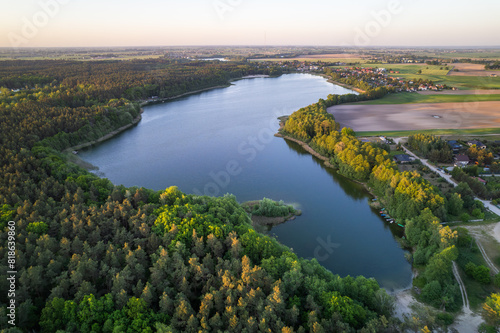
(446, 176)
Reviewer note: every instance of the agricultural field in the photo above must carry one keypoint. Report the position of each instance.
(489, 54)
(465, 69)
(418, 117)
(449, 133)
(407, 98)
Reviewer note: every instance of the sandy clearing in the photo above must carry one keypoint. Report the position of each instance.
(467, 322)
(461, 92)
(496, 232)
(471, 70)
(403, 301)
(399, 117)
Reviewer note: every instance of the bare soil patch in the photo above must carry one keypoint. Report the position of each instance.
(471, 70)
(422, 116)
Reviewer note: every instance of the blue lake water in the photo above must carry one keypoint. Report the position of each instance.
(221, 141)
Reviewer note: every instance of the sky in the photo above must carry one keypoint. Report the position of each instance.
(75, 23)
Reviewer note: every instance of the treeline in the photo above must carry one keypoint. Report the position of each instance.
(76, 83)
(431, 147)
(94, 257)
(92, 97)
(494, 65)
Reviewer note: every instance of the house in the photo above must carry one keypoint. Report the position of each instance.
(478, 144)
(480, 180)
(462, 160)
(454, 145)
(402, 158)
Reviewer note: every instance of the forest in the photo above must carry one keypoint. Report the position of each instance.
(96, 257)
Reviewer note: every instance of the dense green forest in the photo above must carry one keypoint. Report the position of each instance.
(95, 257)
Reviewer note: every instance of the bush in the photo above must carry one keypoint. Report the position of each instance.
(445, 319)
(432, 292)
(485, 328)
(479, 273)
(465, 217)
(482, 274)
(496, 280)
(470, 268)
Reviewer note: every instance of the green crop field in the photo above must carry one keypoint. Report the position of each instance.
(491, 54)
(409, 98)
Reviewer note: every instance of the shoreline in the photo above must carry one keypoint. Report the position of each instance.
(153, 102)
(307, 148)
(326, 161)
(162, 100)
(108, 136)
(344, 85)
(136, 120)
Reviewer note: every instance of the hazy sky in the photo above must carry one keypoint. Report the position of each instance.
(249, 22)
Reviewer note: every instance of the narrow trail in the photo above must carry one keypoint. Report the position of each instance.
(462, 288)
(494, 269)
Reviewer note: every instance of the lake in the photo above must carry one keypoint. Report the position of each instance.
(222, 141)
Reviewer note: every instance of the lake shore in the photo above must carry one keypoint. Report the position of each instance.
(162, 100)
(325, 159)
(139, 117)
(344, 85)
(108, 136)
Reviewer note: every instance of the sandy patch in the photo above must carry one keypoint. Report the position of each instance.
(403, 301)
(467, 322)
(461, 92)
(496, 232)
(399, 117)
(471, 70)
(490, 229)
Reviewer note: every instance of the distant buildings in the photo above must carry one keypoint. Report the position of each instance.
(476, 143)
(454, 145)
